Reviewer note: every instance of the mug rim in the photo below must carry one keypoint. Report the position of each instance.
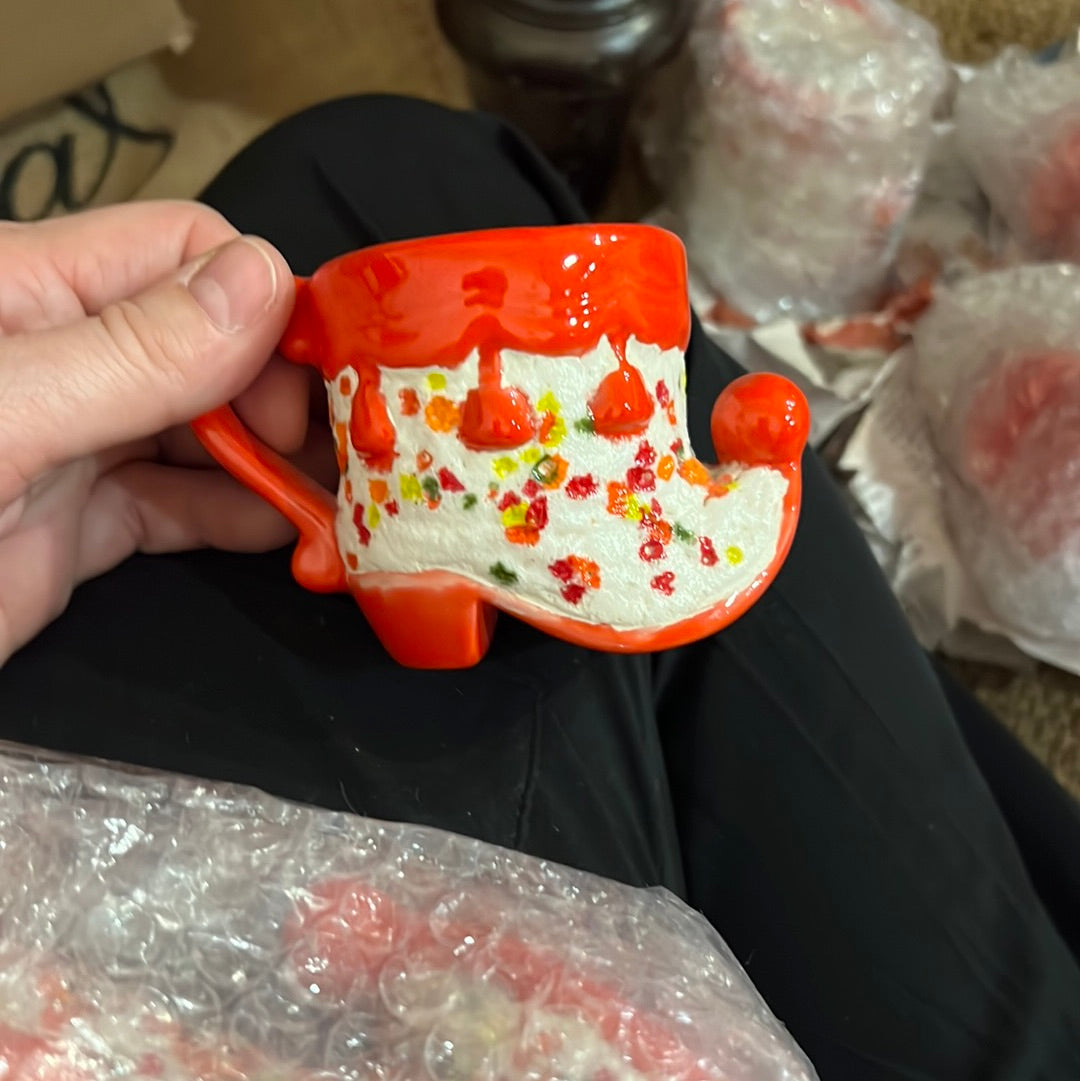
(416, 245)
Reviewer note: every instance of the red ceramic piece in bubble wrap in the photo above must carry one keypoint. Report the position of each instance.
(1022, 448)
(1054, 198)
(344, 929)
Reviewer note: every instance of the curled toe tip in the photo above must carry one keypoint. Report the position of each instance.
(760, 419)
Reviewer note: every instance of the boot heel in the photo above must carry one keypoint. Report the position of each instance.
(427, 620)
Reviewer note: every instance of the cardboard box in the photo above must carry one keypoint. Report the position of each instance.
(49, 48)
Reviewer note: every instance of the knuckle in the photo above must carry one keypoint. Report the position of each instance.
(37, 601)
(12, 235)
(58, 601)
(211, 217)
(14, 484)
(130, 522)
(146, 348)
(34, 295)
(17, 429)
(206, 227)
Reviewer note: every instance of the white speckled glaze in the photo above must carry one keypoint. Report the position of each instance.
(404, 535)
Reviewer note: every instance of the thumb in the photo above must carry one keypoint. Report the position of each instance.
(142, 365)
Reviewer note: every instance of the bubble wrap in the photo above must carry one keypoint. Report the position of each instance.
(809, 133)
(998, 371)
(156, 927)
(1018, 128)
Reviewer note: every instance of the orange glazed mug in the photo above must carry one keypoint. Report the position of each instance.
(509, 413)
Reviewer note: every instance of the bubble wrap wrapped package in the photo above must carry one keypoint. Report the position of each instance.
(1018, 128)
(998, 370)
(155, 927)
(809, 132)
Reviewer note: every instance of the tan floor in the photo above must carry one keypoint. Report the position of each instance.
(276, 56)
(974, 31)
(255, 61)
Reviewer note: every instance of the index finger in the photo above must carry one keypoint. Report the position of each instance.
(111, 253)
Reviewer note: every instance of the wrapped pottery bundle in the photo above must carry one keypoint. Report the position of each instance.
(808, 137)
(1018, 128)
(156, 927)
(998, 371)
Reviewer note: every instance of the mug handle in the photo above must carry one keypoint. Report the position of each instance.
(316, 562)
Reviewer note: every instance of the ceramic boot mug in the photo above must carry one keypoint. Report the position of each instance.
(509, 413)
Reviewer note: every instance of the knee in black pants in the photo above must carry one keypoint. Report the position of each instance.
(384, 168)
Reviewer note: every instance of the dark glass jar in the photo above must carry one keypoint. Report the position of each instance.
(565, 71)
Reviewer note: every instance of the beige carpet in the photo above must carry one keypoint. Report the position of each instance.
(974, 31)
(276, 56)
(255, 61)
(1041, 707)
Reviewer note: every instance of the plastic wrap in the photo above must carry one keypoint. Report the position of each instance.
(156, 927)
(1018, 127)
(807, 138)
(998, 372)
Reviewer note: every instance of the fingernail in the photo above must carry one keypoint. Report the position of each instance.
(237, 286)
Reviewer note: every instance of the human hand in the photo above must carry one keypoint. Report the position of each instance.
(118, 326)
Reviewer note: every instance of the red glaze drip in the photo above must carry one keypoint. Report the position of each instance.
(495, 417)
(554, 292)
(371, 430)
(621, 405)
(485, 287)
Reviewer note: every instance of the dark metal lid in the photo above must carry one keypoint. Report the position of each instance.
(567, 14)
(581, 42)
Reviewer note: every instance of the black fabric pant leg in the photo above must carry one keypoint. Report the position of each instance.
(364, 170)
(1043, 817)
(838, 831)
